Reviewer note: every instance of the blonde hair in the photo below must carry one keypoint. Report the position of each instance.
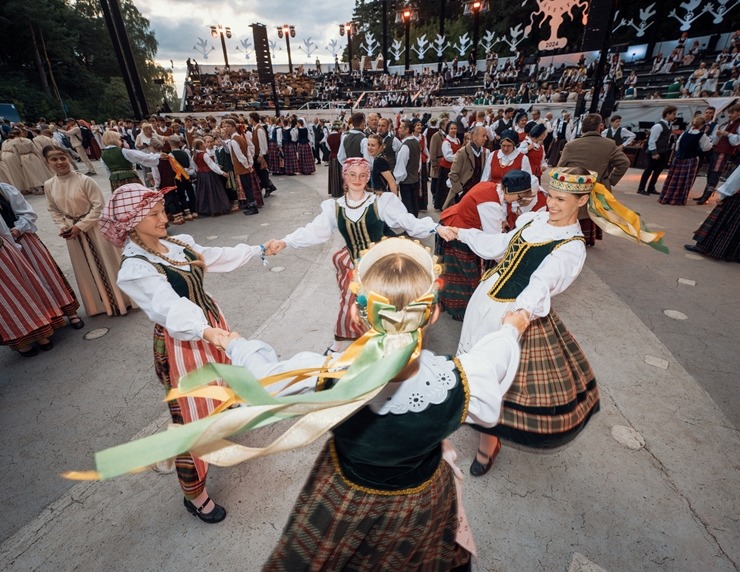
(198, 257)
(111, 138)
(399, 278)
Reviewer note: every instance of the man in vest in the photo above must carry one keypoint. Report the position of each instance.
(658, 150)
(185, 190)
(408, 162)
(243, 160)
(354, 141)
(726, 141)
(318, 136)
(501, 125)
(621, 136)
(435, 154)
(467, 167)
(259, 140)
(391, 144)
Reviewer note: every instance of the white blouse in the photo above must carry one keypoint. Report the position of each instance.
(557, 271)
(496, 356)
(505, 159)
(152, 292)
(21, 207)
(390, 209)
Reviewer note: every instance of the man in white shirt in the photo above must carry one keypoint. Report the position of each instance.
(354, 141)
(408, 164)
(621, 136)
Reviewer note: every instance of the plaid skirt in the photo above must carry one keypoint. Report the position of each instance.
(462, 273)
(719, 234)
(679, 181)
(591, 231)
(274, 160)
(306, 161)
(115, 184)
(554, 392)
(345, 328)
(290, 158)
(335, 526)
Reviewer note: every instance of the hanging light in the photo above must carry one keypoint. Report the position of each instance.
(292, 31)
(280, 33)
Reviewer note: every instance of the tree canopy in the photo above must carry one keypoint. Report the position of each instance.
(59, 53)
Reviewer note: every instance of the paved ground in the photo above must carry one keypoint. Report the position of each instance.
(604, 502)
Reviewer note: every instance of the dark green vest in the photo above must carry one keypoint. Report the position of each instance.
(360, 235)
(520, 261)
(117, 164)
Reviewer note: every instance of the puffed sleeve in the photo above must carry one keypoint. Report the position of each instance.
(222, 258)
(318, 230)
(557, 271)
(392, 210)
(487, 246)
(152, 292)
(490, 367)
(21, 207)
(491, 217)
(140, 157)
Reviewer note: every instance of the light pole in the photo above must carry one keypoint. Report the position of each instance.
(220, 31)
(406, 15)
(349, 28)
(475, 7)
(289, 32)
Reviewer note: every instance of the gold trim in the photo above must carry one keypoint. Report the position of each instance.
(466, 388)
(350, 484)
(567, 240)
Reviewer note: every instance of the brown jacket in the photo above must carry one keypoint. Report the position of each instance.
(463, 166)
(596, 153)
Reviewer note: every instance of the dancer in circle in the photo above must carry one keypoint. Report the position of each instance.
(164, 276)
(362, 218)
(120, 162)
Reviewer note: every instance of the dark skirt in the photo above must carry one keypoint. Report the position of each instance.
(591, 231)
(442, 190)
(336, 526)
(211, 199)
(290, 158)
(679, 181)
(554, 392)
(719, 235)
(306, 161)
(336, 186)
(133, 179)
(462, 273)
(556, 150)
(274, 161)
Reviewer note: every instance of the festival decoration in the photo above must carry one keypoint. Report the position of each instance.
(308, 47)
(553, 11)
(689, 17)
(274, 48)
(201, 46)
(644, 24)
(515, 39)
(440, 45)
(464, 43)
(397, 50)
(423, 47)
(488, 41)
(246, 48)
(370, 44)
(333, 48)
(721, 11)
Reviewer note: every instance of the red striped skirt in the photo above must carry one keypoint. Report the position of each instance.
(47, 269)
(28, 311)
(345, 328)
(679, 181)
(306, 161)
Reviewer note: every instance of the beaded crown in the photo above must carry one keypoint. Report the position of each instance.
(562, 180)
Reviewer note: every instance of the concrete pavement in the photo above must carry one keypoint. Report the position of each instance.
(651, 484)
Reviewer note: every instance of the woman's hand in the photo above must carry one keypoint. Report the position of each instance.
(70, 232)
(447, 233)
(519, 319)
(214, 336)
(272, 247)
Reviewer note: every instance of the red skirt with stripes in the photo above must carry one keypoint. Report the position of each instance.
(39, 257)
(345, 329)
(28, 311)
(306, 161)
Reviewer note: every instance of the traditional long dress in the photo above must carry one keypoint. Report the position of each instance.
(333, 141)
(554, 393)
(13, 168)
(682, 173)
(274, 145)
(290, 154)
(19, 215)
(483, 207)
(306, 163)
(211, 199)
(360, 225)
(34, 167)
(120, 164)
(174, 299)
(377, 502)
(76, 199)
(719, 235)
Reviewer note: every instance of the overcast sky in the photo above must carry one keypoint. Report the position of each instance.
(179, 23)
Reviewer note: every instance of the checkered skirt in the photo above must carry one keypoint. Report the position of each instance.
(719, 234)
(554, 392)
(290, 158)
(274, 160)
(462, 273)
(306, 161)
(335, 526)
(679, 181)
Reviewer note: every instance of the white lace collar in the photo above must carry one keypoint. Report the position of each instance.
(430, 386)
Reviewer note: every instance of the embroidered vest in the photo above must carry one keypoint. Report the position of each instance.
(117, 164)
(360, 235)
(520, 261)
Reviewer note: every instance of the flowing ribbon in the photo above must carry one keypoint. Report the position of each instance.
(616, 219)
(180, 172)
(375, 359)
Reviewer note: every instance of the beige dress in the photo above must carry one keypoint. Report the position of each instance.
(77, 199)
(13, 167)
(41, 141)
(34, 167)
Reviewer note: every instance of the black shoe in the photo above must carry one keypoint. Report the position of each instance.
(250, 211)
(702, 200)
(645, 193)
(691, 248)
(30, 352)
(216, 515)
(268, 192)
(479, 469)
(653, 192)
(47, 346)
(78, 325)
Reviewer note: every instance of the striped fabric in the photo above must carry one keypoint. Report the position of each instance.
(274, 161)
(345, 328)
(719, 235)
(679, 181)
(28, 311)
(256, 188)
(290, 158)
(172, 360)
(306, 161)
(336, 527)
(462, 273)
(554, 392)
(39, 257)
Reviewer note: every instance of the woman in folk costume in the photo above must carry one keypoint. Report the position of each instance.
(302, 136)
(170, 171)
(507, 158)
(554, 393)
(20, 219)
(120, 162)
(75, 201)
(690, 147)
(35, 171)
(533, 148)
(290, 153)
(333, 141)
(520, 124)
(493, 209)
(719, 235)
(362, 218)
(211, 198)
(450, 146)
(164, 276)
(274, 146)
(13, 167)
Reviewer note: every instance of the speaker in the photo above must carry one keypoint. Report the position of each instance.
(262, 53)
(600, 16)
